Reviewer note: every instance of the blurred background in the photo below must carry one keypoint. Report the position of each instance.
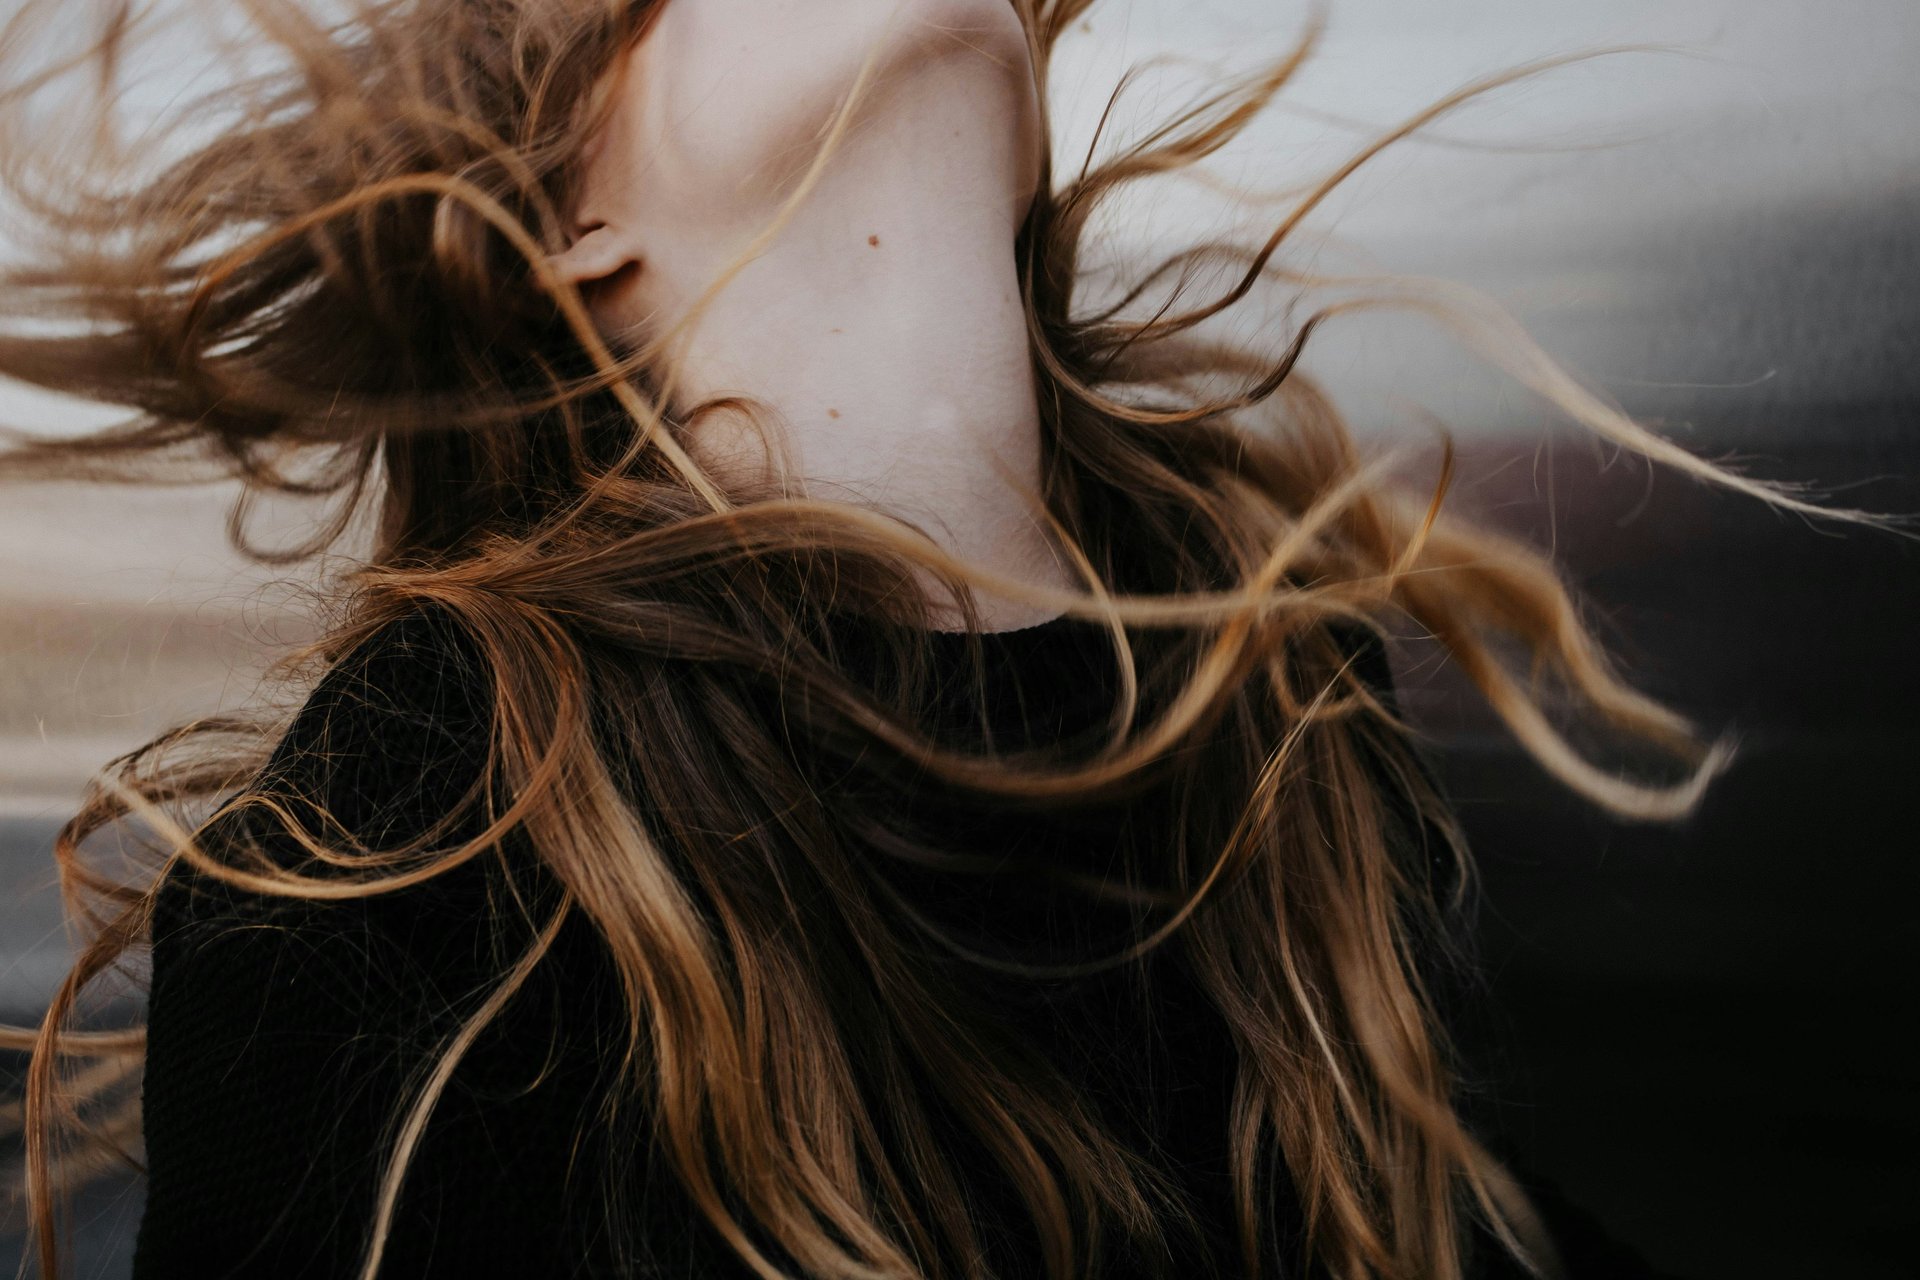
(1701, 1028)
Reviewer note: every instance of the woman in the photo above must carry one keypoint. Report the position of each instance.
(839, 759)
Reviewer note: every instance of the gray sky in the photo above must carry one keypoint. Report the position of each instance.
(1740, 206)
(1758, 100)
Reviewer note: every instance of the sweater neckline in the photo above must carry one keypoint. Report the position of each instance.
(1037, 681)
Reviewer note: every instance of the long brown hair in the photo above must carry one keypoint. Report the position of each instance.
(341, 293)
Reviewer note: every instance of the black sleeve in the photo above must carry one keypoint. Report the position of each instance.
(284, 1035)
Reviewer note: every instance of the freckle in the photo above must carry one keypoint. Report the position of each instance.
(836, 331)
(874, 241)
(833, 413)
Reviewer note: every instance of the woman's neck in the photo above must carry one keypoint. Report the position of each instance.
(883, 325)
(899, 376)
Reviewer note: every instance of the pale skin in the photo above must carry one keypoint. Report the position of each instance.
(883, 324)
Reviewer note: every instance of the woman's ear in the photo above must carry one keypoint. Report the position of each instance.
(595, 255)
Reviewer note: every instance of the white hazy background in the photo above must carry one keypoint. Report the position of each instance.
(1600, 202)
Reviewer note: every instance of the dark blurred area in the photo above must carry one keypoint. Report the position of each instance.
(1707, 1024)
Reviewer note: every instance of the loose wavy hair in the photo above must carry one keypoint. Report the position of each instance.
(341, 292)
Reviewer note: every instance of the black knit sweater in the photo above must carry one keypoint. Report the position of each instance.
(284, 1034)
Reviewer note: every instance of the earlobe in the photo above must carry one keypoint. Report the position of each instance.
(599, 253)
